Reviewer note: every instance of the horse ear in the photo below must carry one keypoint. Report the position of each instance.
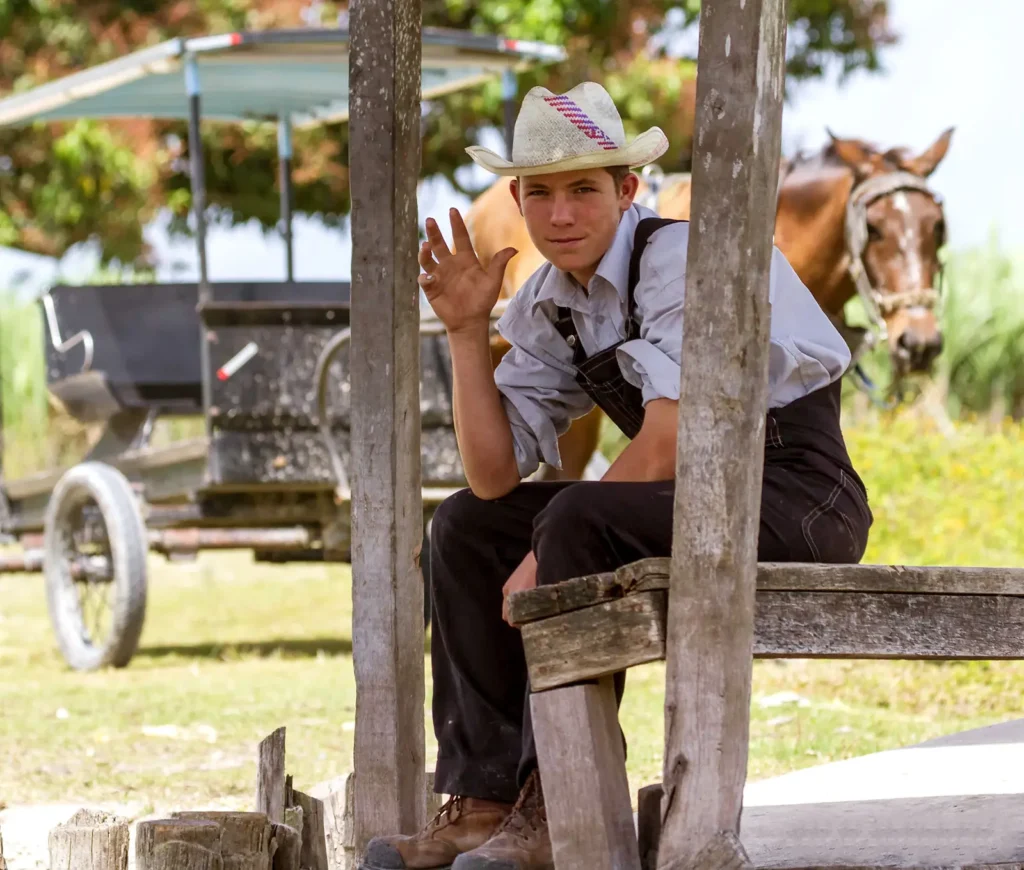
(853, 153)
(926, 162)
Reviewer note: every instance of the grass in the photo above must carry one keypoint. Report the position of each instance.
(233, 648)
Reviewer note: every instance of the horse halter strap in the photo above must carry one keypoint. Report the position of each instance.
(878, 304)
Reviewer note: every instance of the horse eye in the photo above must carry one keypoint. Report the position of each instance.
(874, 233)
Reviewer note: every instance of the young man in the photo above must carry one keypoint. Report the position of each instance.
(600, 322)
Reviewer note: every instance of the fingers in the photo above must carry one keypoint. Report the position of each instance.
(499, 262)
(426, 258)
(460, 235)
(437, 243)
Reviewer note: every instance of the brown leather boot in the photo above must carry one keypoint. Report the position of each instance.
(460, 825)
(522, 842)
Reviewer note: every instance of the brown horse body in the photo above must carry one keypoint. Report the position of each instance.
(894, 227)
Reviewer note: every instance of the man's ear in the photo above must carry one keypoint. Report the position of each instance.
(628, 191)
(513, 187)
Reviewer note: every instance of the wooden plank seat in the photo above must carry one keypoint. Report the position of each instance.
(578, 633)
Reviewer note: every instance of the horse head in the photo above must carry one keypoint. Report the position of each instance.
(894, 229)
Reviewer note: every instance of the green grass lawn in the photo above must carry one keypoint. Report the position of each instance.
(232, 649)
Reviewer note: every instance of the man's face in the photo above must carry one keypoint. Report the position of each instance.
(572, 216)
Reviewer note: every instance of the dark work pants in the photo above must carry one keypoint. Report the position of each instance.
(481, 697)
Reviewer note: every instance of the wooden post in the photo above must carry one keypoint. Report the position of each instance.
(387, 511)
(723, 398)
(177, 844)
(583, 772)
(314, 844)
(270, 776)
(89, 841)
(3, 863)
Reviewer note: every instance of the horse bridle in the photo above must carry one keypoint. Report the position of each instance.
(877, 304)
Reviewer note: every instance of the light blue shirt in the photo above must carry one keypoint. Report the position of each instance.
(537, 379)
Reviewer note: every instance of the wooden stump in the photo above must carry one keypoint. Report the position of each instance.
(178, 844)
(88, 841)
(244, 837)
(314, 845)
(270, 777)
(286, 847)
(338, 797)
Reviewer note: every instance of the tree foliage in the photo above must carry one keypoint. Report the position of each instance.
(63, 184)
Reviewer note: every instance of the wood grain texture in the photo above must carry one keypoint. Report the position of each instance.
(287, 847)
(270, 776)
(245, 838)
(722, 402)
(88, 841)
(651, 574)
(583, 772)
(384, 74)
(889, 625)
(562, 650)
(314, 843)
(178, 844)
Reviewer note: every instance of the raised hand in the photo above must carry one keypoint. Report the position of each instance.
(460, 290)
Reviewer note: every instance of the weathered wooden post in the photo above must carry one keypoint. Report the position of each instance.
(88, 841)
(387, 514)
(723, 395)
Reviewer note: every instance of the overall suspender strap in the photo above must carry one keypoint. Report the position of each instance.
(644, 230)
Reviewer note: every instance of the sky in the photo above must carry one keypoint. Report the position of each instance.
(954, 67)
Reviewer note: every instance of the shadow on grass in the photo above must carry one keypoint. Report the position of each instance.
(283, 647)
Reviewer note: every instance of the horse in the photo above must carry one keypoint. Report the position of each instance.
(852, 220)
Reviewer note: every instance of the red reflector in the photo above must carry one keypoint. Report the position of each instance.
(511, 44)
(236, 38)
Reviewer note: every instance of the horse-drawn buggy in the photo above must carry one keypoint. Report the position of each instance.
(263, 365)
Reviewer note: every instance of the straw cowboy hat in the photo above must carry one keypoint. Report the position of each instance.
(580, 129)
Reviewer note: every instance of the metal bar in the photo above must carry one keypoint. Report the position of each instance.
(27, 562)
(284, 150)
(198, 169)
(191, 540)
(509, 92)
(198, 182)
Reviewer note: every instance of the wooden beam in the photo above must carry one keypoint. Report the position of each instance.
(387, 514)
(583, 771)
(836, 625)
(723, 398)
(653, 574)
(561, 650)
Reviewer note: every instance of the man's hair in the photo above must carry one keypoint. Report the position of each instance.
(618, 174)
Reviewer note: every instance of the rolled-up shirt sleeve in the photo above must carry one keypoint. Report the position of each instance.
(806, 352)
(537, 384)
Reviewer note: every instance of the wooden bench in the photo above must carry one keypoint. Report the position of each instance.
(578, 633)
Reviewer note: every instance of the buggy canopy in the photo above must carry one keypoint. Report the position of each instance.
(300, 74)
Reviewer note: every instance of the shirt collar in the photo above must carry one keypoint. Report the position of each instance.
(561, 288)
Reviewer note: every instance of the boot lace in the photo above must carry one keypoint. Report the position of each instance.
(450, 810)
(529, 811)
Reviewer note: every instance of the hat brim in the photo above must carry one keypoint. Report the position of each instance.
(644, 149)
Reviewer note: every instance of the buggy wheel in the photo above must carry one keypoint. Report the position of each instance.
(94, 560)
